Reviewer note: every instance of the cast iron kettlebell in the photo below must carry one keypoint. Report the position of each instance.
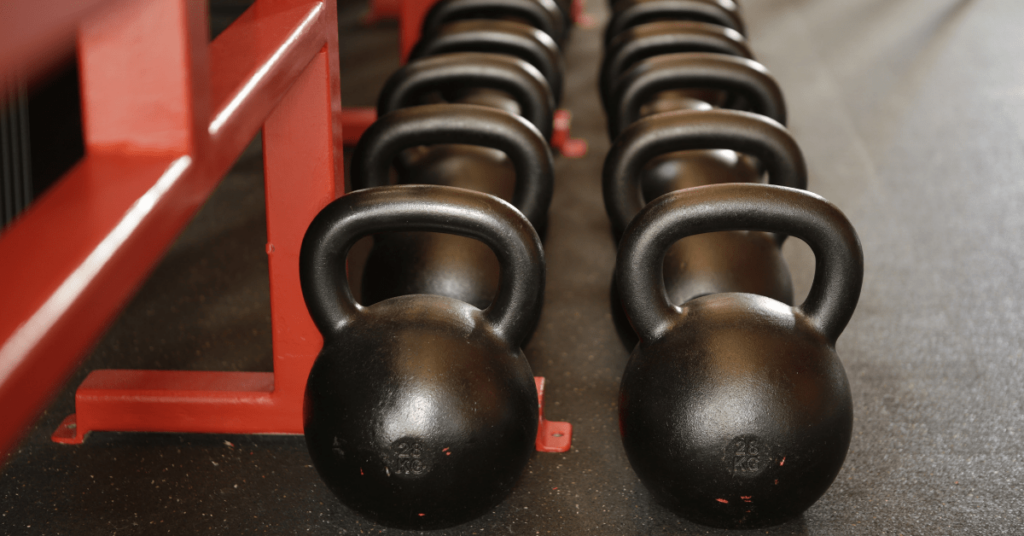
(747, 79)
(420, 412)
(545, 15)
(719, 262)
(495, 80)
(665, 37)
(629, 13)
(498, 37)
(442, 264)
(734, 409)
(456, 72)
(664, 83)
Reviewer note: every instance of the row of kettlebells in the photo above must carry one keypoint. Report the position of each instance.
(421, 410)
(734, 408)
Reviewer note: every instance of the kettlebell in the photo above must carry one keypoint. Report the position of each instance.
(734, 409)
(641, 91)
(458, 71)
(649, 137)
(629, 13)
(746, 78)
(545, 15)
(442, 264)
(665, 37)
(420, 412)
(499, 37)
(734, 261)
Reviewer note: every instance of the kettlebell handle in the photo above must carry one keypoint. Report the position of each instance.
(498, 36)
(665, 37)
(545, 15)
(653, 136)
(443, 209)
(471, 69)
(685, 70)
(629, 13)
(839, 261)
(467, 124)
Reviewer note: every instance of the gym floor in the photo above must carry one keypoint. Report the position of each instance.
(911, 117)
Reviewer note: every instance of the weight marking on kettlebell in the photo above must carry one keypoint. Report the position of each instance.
(409, 458)
(747, 456)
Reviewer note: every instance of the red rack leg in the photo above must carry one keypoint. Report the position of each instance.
(552, 436)
(382, 9)
(560, 140)
(355, 121)
(410, 23)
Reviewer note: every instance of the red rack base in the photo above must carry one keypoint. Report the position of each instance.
(212, 402)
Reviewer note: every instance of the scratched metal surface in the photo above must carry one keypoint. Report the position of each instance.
(911, 116)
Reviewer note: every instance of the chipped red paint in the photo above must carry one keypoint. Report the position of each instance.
(723, 501)
(783, 462)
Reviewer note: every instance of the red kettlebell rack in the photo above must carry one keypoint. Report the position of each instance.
(158, 140)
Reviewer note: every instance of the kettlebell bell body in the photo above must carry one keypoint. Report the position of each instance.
(734, 409)
(420, 412)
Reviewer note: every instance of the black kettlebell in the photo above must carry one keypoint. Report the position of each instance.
(733, 261)
(420, 412)
(545, 15)
(743, 77)
(499, 37)
(442, 264)
(629, 13)
(665, 37)
(457, 72)
(487, 79)
(734, 409)
(641, 91)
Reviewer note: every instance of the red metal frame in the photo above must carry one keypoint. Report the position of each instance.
(157, 142)
(381, 10)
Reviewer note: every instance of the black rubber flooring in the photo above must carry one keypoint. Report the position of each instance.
(911, 116)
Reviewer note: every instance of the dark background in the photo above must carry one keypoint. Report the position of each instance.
(911, 116)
